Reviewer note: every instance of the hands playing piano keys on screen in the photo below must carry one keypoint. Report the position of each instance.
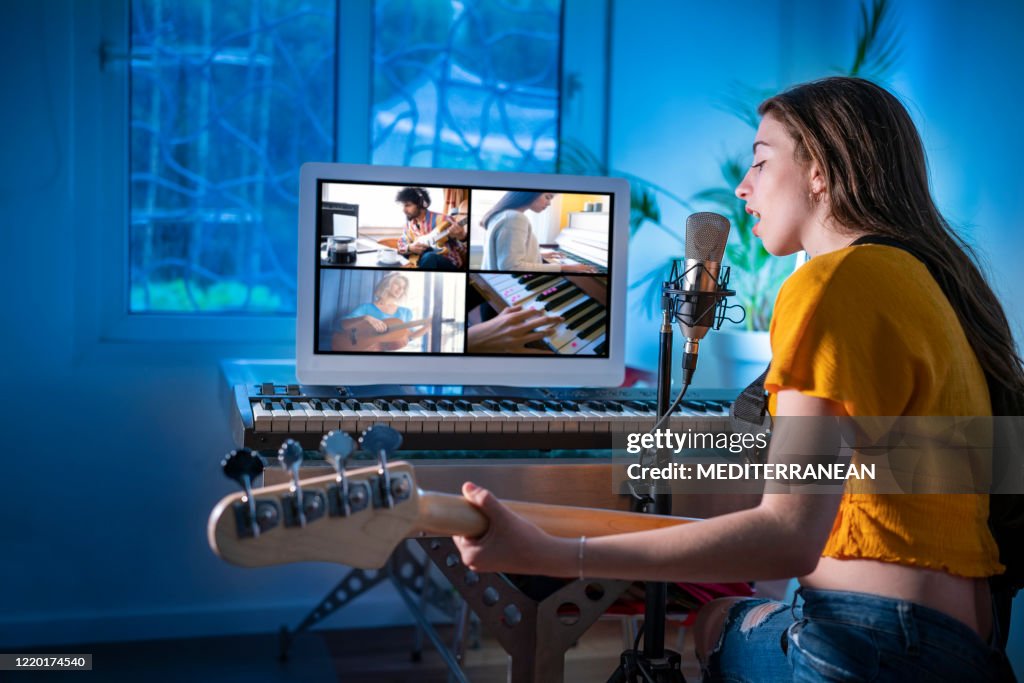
(511, 330)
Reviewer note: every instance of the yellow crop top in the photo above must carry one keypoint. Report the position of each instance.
(869, 328)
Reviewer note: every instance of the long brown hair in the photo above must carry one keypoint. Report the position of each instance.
(873, 162)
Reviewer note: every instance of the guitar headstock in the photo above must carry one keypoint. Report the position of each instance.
(352, 517)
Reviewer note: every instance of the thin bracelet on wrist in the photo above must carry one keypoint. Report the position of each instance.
(583, 544)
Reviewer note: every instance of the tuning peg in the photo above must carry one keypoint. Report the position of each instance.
(336, 447)
(290, 457)
(243, 467)
(381, 438)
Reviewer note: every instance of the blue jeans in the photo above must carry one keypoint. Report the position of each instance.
(839, 636)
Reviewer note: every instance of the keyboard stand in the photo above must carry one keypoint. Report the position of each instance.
(409, 575)
(534, 633)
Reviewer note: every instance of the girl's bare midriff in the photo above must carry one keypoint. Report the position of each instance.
(964, 599)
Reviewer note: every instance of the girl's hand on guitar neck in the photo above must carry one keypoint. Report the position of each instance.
(512, 544)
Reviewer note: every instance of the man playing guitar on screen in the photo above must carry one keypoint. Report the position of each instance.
(432, 241)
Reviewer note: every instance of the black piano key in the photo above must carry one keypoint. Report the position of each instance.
(587, 317)
(508, 405)
(540, 281)
(554, 405)
(353, 404)
(599, 324)
(601, 348)
(570, 405)
(400, 404)
(463, 404)
(561, 299)
(445, 404)
(336, 404)
(560, 287)
(428, 403)
(316, 404)
(636, 405)
(382, 404)
(578, 308)
(597, 405)
(491, 404)
(534, 404)
(267, 404)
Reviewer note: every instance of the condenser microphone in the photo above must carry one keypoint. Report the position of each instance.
(706, 236)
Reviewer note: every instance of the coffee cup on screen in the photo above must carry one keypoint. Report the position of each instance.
(388, 256)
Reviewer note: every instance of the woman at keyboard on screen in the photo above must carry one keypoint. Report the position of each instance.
(889, 317)
(511, 244)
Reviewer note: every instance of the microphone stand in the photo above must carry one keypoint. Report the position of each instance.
(656, 663)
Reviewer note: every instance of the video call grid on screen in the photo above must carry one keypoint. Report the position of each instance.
(430, 309)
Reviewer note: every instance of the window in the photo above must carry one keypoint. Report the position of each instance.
(227, 99)
(467, 84)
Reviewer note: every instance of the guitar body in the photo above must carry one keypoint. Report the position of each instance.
(357, 334)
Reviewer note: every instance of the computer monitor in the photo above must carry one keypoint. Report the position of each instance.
(338, 219)
(479, 278)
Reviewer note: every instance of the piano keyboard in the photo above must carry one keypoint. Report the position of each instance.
(574, 298)
(500, 418)
(584, 240)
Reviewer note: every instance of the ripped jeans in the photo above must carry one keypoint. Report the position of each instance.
(839, 636)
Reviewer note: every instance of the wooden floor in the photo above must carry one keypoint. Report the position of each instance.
(350, 656)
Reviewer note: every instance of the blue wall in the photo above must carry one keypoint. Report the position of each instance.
(112, 448)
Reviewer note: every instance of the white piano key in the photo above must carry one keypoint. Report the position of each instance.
(464, 421)
(349, 420)
(589, 348)
(512, 422)
(448, 421)
(431, 418)
(414, 419)
(367, 416)
(314, 418)
(296, 419)
(262, 419)
(539, 421)
(280, 418)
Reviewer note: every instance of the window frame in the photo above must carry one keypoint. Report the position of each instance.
(100, 169)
